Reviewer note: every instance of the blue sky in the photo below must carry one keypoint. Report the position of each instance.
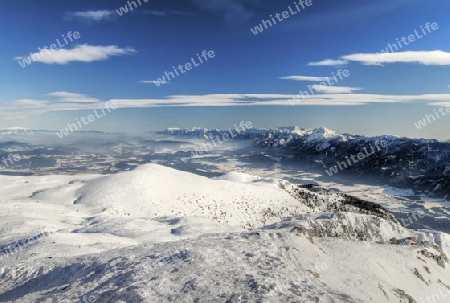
(251, 77)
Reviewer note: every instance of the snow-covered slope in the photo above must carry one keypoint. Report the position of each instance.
(161, 191)
(160, 235)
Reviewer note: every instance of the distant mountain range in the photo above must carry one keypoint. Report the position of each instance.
(420, 164)
(18, 131)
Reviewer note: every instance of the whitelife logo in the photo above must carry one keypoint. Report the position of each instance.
(109, 106)
(423, 122)
(188, 66)
(33, 57)
(360, 156)
(318, 88)
(225, 137)
(124, 9)
(21, 244)
(411, 38)
(12, 158)
(281, 17)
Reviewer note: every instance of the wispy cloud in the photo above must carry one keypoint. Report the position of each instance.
(153, 82)
(436, 57)
(328, 99)
(329, 62)
(230, 10)
(80, 53)
(326, 89)
(72, 97)
(157, 13)
(440, 104)
(66, 101)
(89, 16)
(304, 78)
(57, 101)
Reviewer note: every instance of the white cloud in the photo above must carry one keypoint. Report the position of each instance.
(328, 62)
(304, 78)
(436, 57)
(71, 101)
(59, 101)
(80, 53)
(327, 89)
(329, 99)
(71, 97)
(98, 15)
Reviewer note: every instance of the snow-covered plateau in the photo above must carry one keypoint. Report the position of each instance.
(156, 234)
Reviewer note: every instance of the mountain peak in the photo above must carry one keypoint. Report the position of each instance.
(322, 133)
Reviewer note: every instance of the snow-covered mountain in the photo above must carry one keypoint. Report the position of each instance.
(419, 164)
(156, 234)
